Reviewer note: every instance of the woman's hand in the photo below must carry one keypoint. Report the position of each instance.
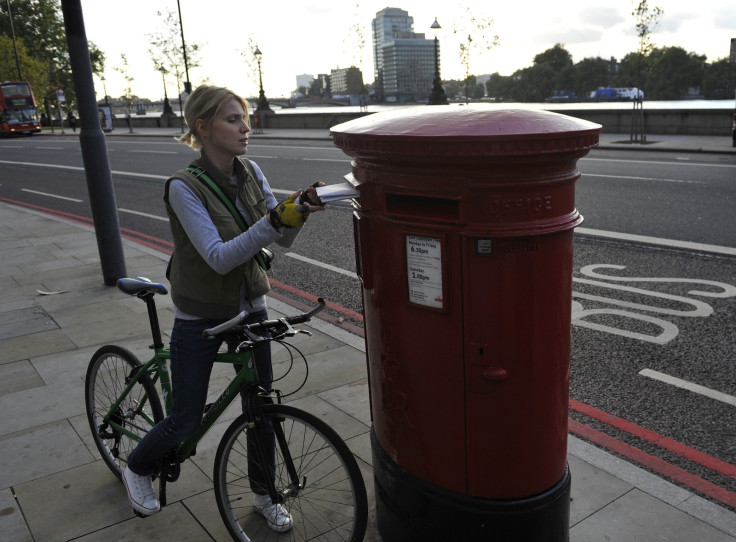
(309, 196)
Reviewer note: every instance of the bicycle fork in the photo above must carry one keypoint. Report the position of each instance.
(259, 424)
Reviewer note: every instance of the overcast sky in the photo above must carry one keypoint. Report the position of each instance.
(314, 36)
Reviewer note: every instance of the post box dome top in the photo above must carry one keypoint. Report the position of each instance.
(450, 129)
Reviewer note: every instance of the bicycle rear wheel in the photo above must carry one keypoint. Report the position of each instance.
(109, 371)
(330, 502)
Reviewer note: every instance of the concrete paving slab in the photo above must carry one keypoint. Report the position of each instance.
(12, 523)
(18, 376)
(74, 502)
(39, 344)
(203, 507)
(26, 321)
(585, 502)
(637, 516)
(40, 451)
(40, 406)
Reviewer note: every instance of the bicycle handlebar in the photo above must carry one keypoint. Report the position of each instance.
(263, 326)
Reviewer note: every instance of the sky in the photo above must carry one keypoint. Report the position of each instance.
(315, 36)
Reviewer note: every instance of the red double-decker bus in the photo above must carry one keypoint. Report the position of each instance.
(18, 113)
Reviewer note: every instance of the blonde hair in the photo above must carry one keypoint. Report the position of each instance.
(204, 103)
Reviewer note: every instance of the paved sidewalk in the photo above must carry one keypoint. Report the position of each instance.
(55, 312)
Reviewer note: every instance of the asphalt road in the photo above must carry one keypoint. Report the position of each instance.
(654, 325)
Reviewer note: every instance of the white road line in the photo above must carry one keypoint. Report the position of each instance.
(132, 212)
(658, 241)
(585, 231)
(626, 178)
(75, 200)
(154, 152)
(51, 148)
(693, 164)
(690, 386)
(346, 159)
(322, 265)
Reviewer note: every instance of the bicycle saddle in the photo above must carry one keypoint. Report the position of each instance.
(140, 284)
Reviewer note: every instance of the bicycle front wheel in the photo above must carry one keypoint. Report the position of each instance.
(324, 493)
(110, 370)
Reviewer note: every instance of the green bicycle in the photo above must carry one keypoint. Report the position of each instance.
(316, 477)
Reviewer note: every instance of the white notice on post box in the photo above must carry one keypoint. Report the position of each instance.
(424, 263)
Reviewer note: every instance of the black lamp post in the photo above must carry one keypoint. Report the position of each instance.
(262, 101)
(15, 46)
(187, 84)
(104, 87)
(167, 105)
(437, 96)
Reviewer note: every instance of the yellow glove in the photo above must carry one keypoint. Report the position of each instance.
(289, 214)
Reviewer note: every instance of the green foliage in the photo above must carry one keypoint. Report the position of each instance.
(719, 80)
(33, 70)
(671, 73)
(557, 58)
(39, 32)
(646, 22)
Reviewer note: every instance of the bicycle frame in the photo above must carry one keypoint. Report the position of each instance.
(156, 368)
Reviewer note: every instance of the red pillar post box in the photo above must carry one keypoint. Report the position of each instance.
(464, 242)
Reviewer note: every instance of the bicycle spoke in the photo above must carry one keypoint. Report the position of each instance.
(331, 505)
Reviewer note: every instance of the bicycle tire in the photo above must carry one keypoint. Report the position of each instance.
(107, 373)
(332, 505)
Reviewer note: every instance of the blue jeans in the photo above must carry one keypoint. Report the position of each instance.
(192, 358)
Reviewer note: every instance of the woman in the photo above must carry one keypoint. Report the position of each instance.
(215, 274)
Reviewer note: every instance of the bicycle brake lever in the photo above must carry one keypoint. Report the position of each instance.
(308, 333)
(246, 344)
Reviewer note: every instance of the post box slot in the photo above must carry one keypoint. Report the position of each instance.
(422, 206)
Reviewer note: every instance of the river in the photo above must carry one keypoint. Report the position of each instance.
(665, 104)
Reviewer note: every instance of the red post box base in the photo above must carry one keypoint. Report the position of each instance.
(409, 509)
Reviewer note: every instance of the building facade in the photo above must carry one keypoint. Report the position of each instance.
(348, 81)
(403, 60)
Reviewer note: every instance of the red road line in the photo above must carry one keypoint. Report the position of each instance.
(678, 448)
(654, 463)
(313, 299)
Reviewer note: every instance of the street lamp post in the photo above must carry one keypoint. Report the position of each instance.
(167, 105)
(187, 84)
(15, 46)
(104, 87)
(437, 96)
(262, 101)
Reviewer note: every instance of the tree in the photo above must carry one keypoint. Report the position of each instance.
(557, 58)
(124, 70)
(39, 28)
(33, 70)
(500, 87)
(473, 33)
(673, 73)
(719, 80)
(166, 49)
(646, 22)
(251, 64)
(589, 74)
(535, 84)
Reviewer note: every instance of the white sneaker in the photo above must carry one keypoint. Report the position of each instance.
(140, 493)
(277, 517)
